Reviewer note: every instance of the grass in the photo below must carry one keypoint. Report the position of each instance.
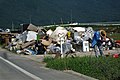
(115, 36)
(103, 68)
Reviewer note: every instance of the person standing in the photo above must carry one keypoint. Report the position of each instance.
(98, 38)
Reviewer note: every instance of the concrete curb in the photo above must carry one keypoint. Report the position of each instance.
(74, 73)
(81, 75)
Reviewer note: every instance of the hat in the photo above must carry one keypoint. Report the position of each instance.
(103, 33)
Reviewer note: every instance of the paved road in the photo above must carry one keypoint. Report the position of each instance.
(7, 72)
(29, 70)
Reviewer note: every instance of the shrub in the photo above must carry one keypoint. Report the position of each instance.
(103, 68)
(48, 58)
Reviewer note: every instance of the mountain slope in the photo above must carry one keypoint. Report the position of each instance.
(43, 12)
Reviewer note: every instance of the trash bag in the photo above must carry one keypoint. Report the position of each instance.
(55, 48)
(66, 47)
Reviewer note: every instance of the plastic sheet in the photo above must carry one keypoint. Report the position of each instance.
(31, 36)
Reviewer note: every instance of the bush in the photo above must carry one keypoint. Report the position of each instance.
(48, 58)
(103, 68)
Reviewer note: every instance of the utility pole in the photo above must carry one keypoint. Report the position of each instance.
(12, 26)
(61, 20)
(71, 16)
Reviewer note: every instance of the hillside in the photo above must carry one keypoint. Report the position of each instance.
(42, 12)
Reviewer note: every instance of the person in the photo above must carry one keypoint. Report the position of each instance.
(97, 40)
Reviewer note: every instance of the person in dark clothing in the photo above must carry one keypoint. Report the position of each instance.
(39, 47)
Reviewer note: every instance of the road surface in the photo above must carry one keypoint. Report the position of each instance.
(16, 67)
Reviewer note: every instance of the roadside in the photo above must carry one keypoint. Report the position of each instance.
(39, 58)
(34, 67)
(106, 52)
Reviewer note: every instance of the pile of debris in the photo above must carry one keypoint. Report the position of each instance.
(36, 40)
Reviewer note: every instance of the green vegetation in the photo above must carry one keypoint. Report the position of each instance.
(52, 28)
(103, 68)
(115, 36)
(41, 12)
